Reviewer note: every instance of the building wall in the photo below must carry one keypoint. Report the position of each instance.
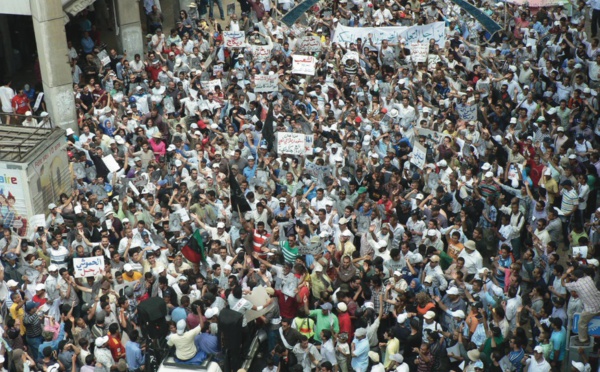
(20, 7)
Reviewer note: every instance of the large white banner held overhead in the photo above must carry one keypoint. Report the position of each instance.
(413, 34)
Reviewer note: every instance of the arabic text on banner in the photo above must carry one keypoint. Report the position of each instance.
(88, 266)
(293, 143)
(536, 3)
(261, 52)
(309, 44)
(419, 154)
(210, 85)
(314, 248)
(234, 39)
(414, 34)
(266, 83)
(303, 65)
(419, 52)
(317, 171)
(467, 112)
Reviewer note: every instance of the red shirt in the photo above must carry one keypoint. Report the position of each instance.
(116, 347)
(39, 301)
(153, 71)
(20, 104)
(346, 325)
(287, 305)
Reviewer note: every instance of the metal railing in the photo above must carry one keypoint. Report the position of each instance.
(22, 120)
(20, 134)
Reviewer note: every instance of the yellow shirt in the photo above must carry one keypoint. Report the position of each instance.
(392, 348)
(133, 278)
(18, 314)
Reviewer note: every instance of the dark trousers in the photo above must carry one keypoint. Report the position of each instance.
(595, 21)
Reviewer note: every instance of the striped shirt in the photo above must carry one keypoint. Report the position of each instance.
(258, 240)
(33, 325)
(488, 188)
(289, 253)
(570, 200)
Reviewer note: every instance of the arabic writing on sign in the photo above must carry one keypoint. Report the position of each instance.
(419, 154)
(291, 143)
(414, 34)
(419, 52)
(261, 52)
(303, 65)
(234, 39)
(88, 266)
(317, 171)
(309, 44)
(266, 83)
(467, 112)
(210, 85)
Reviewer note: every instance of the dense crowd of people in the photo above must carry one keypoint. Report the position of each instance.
(443, 218)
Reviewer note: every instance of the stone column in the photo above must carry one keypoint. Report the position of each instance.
(131, 39)
(51, 40)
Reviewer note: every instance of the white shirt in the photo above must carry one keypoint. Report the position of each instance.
(534, 366)
(473, 261)
(6, 96)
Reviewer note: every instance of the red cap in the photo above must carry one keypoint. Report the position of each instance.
(384, 110)
(201, 124)
(357, 119)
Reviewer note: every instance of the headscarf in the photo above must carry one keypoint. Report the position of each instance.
(418, 287)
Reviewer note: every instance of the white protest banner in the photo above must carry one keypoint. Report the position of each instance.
(350, 55)
(309, 44)
(103, 57)
(258, 297)
(234, 39)
(111, 163)
(467, 112)
(430, 135)
(210, 85)
(291, 143)
(38, 101)
(419, 153)
(537, 3)
(419, 52)
(303, 65)
(261, 52)
(175, 222)
(266, 83)
(88, 266)
(185, 217)
(139, 181)
(314, 247)
(580, 251)
(217, 69)
(317, 171)
(308, 144)
(413, 34)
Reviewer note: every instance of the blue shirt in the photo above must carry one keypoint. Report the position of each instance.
(53, 344)
(249, 173)
(133, 354)
(558, 339)
(361, 350)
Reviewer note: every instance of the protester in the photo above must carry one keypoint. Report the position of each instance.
(406, 199)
